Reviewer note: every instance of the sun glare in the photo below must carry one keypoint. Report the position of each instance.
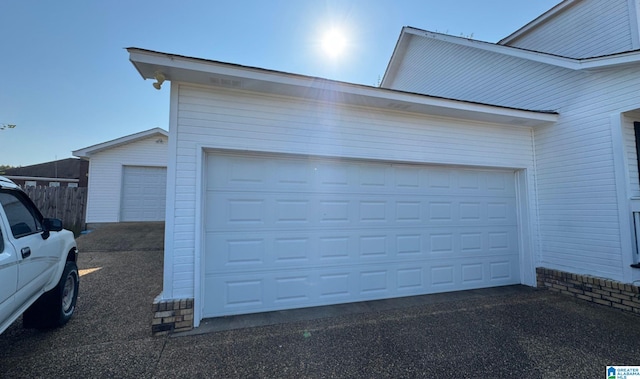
(334, 43)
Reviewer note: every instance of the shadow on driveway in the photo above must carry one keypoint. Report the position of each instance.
(511, 332)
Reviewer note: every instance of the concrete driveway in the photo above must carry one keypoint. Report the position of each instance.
(508, 332)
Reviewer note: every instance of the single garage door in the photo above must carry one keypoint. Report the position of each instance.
(143, 193)
(287, 232)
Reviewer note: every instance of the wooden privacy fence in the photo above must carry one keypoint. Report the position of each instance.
(66, 203)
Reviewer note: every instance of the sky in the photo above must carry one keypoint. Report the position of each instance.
(66, 81)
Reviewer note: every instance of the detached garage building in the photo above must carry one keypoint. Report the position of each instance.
(127, 178)
(293, 191)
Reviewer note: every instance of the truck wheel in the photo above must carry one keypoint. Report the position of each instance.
(68, 295)
(55, 307)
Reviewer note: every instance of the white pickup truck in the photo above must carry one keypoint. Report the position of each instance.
(38, 272)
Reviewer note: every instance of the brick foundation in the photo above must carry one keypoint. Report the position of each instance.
(625, 297)
(171, 316)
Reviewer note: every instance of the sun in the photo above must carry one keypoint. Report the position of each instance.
(334, 43)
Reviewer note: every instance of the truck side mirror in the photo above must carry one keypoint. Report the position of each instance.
(52, 224)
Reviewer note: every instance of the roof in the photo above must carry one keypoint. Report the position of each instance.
(88, 151)
(587, 64)
(177, 68)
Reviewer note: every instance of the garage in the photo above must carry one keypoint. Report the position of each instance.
(143, 193)
(286, 231)
(286, 191)
(127, 178)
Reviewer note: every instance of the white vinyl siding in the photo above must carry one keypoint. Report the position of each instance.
(105, 175)
(629, 136)
(579, 217)
(577, 201)
(589, 28)
(439, 68)
(227, 119)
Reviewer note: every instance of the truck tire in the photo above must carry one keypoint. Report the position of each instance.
(55, 307)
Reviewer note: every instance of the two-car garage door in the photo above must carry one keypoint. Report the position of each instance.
(286, 232)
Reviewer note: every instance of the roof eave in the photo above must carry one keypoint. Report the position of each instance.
(392, 66)
(587, 64)
(178, 68)
(87, 152)
(610, 61)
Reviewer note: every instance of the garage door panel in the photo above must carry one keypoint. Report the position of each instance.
(284, 232)
(279, 250)
(232, 210)
(245, 173)
(334, 285)
(265, 291)
(246, 292)
(317, 175)
(472, 273)
(143, 193)
(405, 277)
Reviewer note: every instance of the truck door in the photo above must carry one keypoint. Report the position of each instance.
(8, 274)
(36, 260)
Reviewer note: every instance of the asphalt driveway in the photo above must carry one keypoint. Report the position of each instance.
(510, 332)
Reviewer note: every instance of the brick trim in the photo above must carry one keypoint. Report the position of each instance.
(171, 316)
(610, 293)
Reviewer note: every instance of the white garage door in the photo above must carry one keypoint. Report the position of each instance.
(288, 232)
(143, 193)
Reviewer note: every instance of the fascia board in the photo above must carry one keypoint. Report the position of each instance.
(399, 50)
(88, 151)
(622, 59)
(543, 18)
(554, 60)
(147, 63)
(199, 71)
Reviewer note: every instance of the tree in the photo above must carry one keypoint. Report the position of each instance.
(4, 167)
(7, 126)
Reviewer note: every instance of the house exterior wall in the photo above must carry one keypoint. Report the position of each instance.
(214, 118)
(580, 211)
(583, 214)
(589, 28)
(105, 175)
(439, 68)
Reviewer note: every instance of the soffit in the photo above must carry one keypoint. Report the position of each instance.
(178, 68)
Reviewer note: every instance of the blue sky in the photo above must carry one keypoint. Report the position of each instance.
(67, 83)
